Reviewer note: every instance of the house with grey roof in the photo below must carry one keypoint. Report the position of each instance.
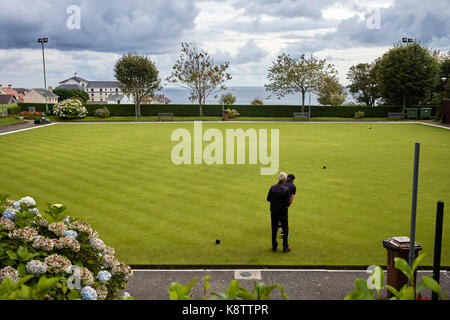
(41, 96)
(7, 99)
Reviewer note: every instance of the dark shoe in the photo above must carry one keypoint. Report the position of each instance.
(287, 249)
(274, 249)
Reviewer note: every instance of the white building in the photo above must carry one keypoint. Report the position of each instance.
(98, 91)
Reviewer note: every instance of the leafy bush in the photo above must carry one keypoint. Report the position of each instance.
(232, 113)
(359, 114)
(70, 109)
(256, 102)
(407, 292)
(13, 110)
(102, 113)
(34, 245)
(234, 292)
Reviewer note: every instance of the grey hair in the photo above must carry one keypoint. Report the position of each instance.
(282, 176)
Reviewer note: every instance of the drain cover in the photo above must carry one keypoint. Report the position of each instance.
(246, 274)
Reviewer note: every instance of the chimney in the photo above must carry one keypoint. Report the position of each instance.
(50, 89)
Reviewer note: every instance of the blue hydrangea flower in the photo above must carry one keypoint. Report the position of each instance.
(35, 211)
(104, 276)
(70, 233)
(88, 293)
(29, 201)
(126, 295)
(66, 220)
(10, 214)
(16, 205)
(36, 267)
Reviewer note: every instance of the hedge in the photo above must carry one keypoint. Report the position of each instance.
(192, 110)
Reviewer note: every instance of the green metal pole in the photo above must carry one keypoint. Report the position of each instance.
(45, 79)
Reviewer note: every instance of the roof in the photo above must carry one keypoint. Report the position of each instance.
(70, 86)
(43, 92)
(75, 78)
(103, 84)
(162, 98)
(7, 98)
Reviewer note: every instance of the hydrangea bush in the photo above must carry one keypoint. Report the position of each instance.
(70, 109)
(50, 255)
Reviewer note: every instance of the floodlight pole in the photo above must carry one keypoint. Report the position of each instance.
(414, 204)
(42, 41)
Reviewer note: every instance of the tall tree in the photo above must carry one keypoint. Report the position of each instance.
(330, 91)
(196, 71)
(363, 83)
(291, 75)
(138, 77)
(64, 94)
(407, 73)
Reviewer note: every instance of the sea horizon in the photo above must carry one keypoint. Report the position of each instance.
(244, 95)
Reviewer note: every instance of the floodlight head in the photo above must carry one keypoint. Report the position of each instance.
(404, 39)
(410, 40)
(45, 39)
(40, 40)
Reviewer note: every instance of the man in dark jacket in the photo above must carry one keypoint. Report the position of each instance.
(279, 198)
(292, 189)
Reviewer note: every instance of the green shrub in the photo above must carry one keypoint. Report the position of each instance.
(102, 113)
(13, 110)
(359, 114)
(256, 102)
(232, 113)
(234, 292)
(70, 109)
(191, 110)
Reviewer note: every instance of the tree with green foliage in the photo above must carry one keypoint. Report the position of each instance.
(289, 75)
(330, 91)
(257, 102)
(227, 99)
(138, 77)
(407, 74)
(64, 94)
(363, 83)
(196, 71)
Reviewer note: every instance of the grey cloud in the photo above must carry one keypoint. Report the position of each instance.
(110, 26)
(426, 21)
(250, 52)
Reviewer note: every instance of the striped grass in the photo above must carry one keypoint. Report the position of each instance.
(119, 177)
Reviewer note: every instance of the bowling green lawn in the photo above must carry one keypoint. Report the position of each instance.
(120, 178)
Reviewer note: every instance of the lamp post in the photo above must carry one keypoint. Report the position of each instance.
(444, 79)
(42, 41)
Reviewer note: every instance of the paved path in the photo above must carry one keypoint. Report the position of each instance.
(17, 126)
(298, 284)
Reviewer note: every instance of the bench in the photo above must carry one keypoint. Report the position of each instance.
(397, 115)
(301, 115)
(165, 115)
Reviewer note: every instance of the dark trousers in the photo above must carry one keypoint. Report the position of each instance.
(283, 218)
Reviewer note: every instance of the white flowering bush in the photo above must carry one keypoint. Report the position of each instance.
(49, 255)
(70, 109)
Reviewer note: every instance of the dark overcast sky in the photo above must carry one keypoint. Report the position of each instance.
(249, 34)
